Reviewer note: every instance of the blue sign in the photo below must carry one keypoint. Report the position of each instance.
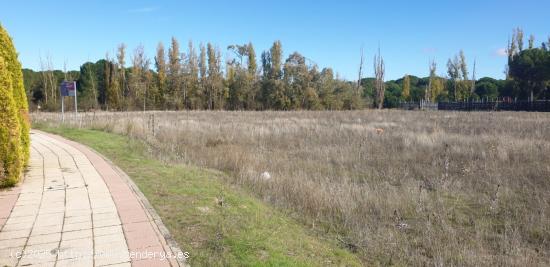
(68, 88)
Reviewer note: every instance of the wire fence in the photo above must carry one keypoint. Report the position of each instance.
(512, 105)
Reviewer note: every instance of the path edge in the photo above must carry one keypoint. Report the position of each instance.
(159, 225)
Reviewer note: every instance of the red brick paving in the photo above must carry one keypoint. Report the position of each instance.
(138, 229)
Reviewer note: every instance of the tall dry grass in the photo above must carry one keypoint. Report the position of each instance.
(432, 188)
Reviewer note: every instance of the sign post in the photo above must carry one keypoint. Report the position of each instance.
(68, 89)
(62, 109)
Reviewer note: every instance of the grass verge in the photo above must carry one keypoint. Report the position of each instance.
(218, 224)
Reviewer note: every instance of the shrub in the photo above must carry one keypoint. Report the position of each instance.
(11, 158)
(8, 52)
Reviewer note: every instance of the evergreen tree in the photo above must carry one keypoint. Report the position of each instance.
(87, 85)
(11, 152)
(112, 93)
(8, 52)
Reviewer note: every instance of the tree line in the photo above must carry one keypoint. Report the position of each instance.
(198, 78)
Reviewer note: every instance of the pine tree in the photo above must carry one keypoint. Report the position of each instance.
(8, 52)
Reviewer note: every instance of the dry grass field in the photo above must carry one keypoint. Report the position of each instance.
(395, 187)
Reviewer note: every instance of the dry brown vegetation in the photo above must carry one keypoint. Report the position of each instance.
(396, 187)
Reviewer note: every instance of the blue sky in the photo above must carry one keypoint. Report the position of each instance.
(330, 33)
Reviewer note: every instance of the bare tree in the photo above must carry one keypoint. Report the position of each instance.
(160, 65)
(48, 80)
(519, 38)
(429, 90)
(379, 72)
(361, 62)
(123, 85)
(531, 41)
(473, 89)
(138, 81)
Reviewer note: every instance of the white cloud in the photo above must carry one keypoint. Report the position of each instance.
(501, 52)
(142, 10)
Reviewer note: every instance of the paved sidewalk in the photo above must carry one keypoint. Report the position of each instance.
(75, 209)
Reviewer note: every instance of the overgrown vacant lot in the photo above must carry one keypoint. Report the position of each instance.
(396, 187)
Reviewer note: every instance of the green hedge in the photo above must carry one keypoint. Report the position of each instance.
(11, 154)
(14, 118)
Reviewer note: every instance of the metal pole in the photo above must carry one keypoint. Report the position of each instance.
(75, 101)
(62, 109)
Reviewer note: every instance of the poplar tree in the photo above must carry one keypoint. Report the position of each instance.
(453, 70)
(203, 65)
(430, 91)
(252, 79)
(122, 82)
(216, 92)
(174, 68)
(160, 65)
(531, 41)
(273, 90)
(192, 79)
(406, 94)
(138, 79)
(519, 38)
(252, 64)
(379, 73)
(276, 56)
(463, 65)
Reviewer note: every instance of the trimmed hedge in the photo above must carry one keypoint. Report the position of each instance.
(7, 50)
(11, 154)
(14, 118)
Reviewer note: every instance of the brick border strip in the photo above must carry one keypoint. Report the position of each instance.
(10, 196)
(8, 199)
(153, 215)
(166, 239)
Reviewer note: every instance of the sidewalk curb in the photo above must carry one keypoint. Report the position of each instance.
(159, 227)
